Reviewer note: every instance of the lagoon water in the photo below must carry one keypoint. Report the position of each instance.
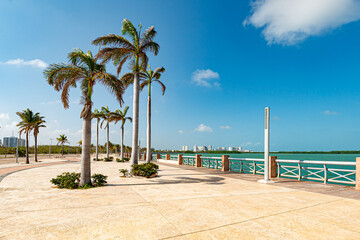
(295, 156)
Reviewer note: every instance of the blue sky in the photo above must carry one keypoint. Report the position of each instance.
(225, 62)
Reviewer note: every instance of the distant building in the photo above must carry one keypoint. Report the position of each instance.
(209, 148)
(0, 142)
(202, 148)
(222, 149)
(12, 142)
(195, 149)
(185, 148)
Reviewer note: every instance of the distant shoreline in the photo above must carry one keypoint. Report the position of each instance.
(282, 152)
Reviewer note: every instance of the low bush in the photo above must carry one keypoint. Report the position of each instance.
(145, 169)
(108, 159)
(126, 159)
(67, 180)
(99, 159)
(123, 171)
(111, 158)
(98, 180)
(118, 160)
(72, 180)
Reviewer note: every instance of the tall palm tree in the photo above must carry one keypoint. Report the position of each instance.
(98, 115)
(83, 69)
(147, 77)
(119, 50)
(28, 120)
(62, 139)
(105, 116)
(39, 124)
(117, 116)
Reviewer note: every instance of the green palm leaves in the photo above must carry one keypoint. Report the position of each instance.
(30, 121)
(84, 70)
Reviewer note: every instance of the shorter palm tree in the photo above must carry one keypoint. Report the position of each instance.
(62, 139)
(117, 116)
(98, 115)
(105, 115)
(28, 120)
(147, 77)
(39, 123)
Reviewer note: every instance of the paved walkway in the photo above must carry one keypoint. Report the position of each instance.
(179, 204)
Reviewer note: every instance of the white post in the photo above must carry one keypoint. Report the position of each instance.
(17, 150)
(266, 147)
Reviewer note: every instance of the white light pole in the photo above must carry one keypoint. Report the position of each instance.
(50, 147)
(266, 147)
(17, 149)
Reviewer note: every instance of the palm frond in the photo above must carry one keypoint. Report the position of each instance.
(129, 29)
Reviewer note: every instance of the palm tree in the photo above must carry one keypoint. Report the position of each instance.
(28, 120)
(39, 123)
(147, 77)
(97, 114)
(117, 116)
(119, 50)
(83, 69)
(105, 116)
(62, 139)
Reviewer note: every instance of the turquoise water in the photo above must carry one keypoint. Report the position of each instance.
(292, 156)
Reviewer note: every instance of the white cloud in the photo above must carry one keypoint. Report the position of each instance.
(290, 22)
(205, 77)
(248, 144)
(180, 131)
(21, 62)
(4, 116)
(226, 127)
(327, 112)
(51, 102)
(276, 118)
(203, 128)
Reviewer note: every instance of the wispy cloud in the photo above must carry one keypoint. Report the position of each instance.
(203, 128)
(180, 131)
(225, 127)
(276, 118)
(250, 144)
(327, 112)
(51, 102)
(4, 116)
(21, 62)
(206, 78)
(290, 22)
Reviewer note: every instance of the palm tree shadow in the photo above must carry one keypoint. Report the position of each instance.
(177, 180)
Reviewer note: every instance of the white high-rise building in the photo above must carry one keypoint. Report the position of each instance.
(195, 148)
(222, 149)
(209, 148)
(185, 148)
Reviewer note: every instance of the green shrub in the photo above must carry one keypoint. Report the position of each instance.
(118, 160)
(123, 171)
(98, 180)
(108, 159)
(111, 158)
(126, 159)
(67, 180)
(72, 180)
(145, 169)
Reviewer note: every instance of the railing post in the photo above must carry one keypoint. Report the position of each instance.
(272, 167)
(198, 160)
(158, 156)
(144, 155)
(357, 174)
(167, 156)
(225, 163)
(180, 159)
(325, 174)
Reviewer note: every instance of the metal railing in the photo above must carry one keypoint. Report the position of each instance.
(247, 165)
(211, 162)
(174, 157)
(189, 160)
(324, 171)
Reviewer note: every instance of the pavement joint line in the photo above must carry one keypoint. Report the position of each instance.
(68, 208)
(251, 219)
(157, 210)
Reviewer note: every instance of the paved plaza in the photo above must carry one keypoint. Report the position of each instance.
(182, 203)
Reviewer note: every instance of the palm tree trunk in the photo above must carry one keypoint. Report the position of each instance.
(35, 150)
(27, 148)
(62, 149)
(135, 139)
(107, 138)
(85, 177)
(97, 140)
(148, 146)
(122, 142)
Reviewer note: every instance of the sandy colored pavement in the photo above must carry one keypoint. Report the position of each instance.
(180, 204)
